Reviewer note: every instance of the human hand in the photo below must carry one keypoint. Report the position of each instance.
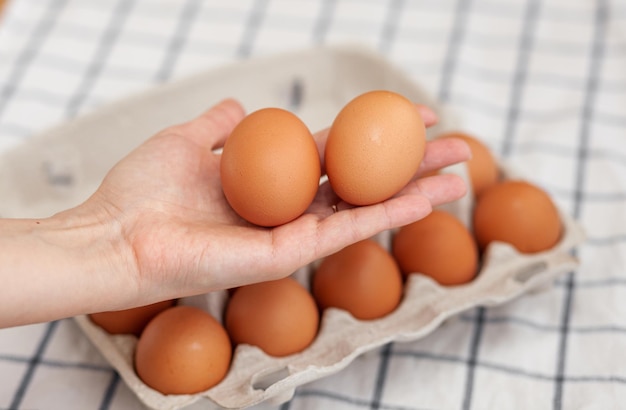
(185, 239)
(159, 227)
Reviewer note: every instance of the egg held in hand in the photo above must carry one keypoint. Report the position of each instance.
(270, 167)
(362, 279)
(183, 350)
(278, 316)
(518, 213)
(438, 246)
(375, 146)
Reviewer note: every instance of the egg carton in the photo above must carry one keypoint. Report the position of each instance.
(60, 168)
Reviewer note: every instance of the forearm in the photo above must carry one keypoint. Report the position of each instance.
(69, 264)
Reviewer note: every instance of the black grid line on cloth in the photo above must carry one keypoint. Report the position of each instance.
(577, 283)
(524, 48)
(472, 360)
(252, 26)
(390, 26)
(558, 14)
(610, 281)
(186, 19)
(32, 365)
(553, 80)
(589, 196)
(523, 147)
(519, 77)
(491, 110)
(109, 393)
(606, 241)
(510, 370)
(387, 36)
(55, 363)
(554, 149)
(105, 46)
(545, 79)
(470, 69)
(467, 102)
(541, 327)
(381, 376)
(448, 69)
(356, 402)
(72, 106)
(323, 21)
(591, 283)
(587, 117)
(479, 40)
(23, 61)
(41, 95)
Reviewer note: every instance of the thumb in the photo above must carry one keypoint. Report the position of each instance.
(211, 128)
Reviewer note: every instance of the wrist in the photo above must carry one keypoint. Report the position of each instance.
(72, 263)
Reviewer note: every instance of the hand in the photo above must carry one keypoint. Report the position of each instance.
(159, 226)
(185, 238)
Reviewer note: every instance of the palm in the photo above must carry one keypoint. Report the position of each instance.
(186, 239)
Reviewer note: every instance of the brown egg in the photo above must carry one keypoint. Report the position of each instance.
(270, 167)
(362, 278)
(438, 246)
(518, 213)
(279, 316)
(183, 350)
(129, 321)
(482, 167)
(374, 147)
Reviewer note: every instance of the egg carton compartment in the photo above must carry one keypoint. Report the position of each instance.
(60, 168)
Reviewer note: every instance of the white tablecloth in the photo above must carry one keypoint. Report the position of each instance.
(543, 83)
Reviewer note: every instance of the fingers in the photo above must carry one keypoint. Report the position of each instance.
(215, 125)
(359, 223)
(322, 235)
(440, 153)
(428, 115)
(316, 237)
(414, 202)
(438, 189)
(320, 138)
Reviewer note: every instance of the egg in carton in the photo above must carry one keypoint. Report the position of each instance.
(62, 167)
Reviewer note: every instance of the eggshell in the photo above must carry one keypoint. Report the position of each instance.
(482, 167)
(362, 278)
(270, 167)
(129, 321)
(280, 317)
(438, 246)
(519, 213)
(183, 350)
(374, 147)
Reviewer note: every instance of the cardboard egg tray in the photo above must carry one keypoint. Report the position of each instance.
(62, 167)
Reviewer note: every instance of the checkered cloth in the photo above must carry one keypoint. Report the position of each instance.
(542, 82)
